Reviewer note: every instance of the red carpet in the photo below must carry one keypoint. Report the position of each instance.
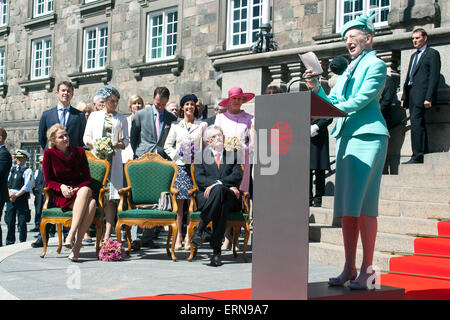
(238, 294)
(426, 274)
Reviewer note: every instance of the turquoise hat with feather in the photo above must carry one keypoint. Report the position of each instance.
(361, 22)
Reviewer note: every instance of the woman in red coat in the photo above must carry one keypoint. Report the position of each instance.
(66, 172)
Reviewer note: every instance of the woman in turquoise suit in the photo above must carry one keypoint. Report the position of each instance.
(361, 145)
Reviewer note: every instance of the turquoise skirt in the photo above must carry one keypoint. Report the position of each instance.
(359, 166)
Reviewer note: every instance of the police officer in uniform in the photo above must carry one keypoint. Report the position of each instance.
(19, 184)
(38, 191)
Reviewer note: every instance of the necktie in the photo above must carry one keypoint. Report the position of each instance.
(413, 67)
(157, 126)
(218, 160)
(62, 120)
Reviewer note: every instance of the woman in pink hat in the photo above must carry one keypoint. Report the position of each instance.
(237, 125)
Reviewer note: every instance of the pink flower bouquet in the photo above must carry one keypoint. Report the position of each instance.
(111, 250)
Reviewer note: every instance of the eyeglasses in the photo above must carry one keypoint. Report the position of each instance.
(216, 136)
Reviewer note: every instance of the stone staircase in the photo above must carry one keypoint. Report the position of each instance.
(411, 204)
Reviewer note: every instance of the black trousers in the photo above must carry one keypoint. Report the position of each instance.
(319, 182)
(220, 202)
(419, 135)
(39, 200)
(2, 205)
(18, 209)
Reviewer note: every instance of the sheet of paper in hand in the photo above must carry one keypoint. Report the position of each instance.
(310, 61)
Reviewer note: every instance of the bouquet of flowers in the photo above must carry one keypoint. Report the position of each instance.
(103, 148)
(232, 144)
(111, 250)
(187, 151)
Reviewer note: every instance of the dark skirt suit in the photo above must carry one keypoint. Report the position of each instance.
(72, 171)
(320, 156)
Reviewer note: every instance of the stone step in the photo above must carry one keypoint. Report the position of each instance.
(424, 168)
(416, 180)
(334, 255)
(415, 194)
(386, 224)
(385, 242)
(414, 209)
(442, 158)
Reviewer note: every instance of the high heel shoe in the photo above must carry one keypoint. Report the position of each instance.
(72, 258)
(69, 244)
(357, 285)
(339, 281)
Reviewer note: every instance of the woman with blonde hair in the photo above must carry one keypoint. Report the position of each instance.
(66, 173)
(135, 103)
(85, 107)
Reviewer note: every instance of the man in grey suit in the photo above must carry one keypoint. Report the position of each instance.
(149, 130)
(150, 126)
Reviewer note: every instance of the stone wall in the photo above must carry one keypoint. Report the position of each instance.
(203, 65)
(20, 113)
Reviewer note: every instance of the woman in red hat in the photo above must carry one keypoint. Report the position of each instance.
(237, 125)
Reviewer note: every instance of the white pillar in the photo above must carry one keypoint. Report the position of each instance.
(265, 12)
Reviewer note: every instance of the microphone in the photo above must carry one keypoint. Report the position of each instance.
(314, 76)
(338, 65)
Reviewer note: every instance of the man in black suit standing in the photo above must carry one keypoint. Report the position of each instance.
(65, 114)
(5, 167)
(218, 177)
(74, 121)
(419, 91)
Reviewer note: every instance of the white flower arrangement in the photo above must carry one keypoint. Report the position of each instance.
(103, 148)
(232, 144)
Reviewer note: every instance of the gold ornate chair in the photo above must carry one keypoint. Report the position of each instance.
(99, 170)
(147, 177)
(236, 220)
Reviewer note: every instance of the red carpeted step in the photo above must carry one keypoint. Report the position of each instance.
(444, 228)
(436, 246)
(237, 294)
(421, 265)
(418, 288)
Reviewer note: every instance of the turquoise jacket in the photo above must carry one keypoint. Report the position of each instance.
(358, 94)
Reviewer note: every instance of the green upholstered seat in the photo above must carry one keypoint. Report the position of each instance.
(147, 177)
(58, 213)
(148, 180)
(147, 214)
(97, 171)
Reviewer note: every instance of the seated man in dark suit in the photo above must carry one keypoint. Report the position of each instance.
(218, 177)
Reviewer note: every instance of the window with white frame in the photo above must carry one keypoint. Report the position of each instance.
(2, 65)
(3, 12)
(95, 47)
(244, 20)
(41, 58)
(349, 9)
(42, 7)
(162, 33)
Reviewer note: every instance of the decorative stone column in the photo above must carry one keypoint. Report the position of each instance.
(413, 13)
